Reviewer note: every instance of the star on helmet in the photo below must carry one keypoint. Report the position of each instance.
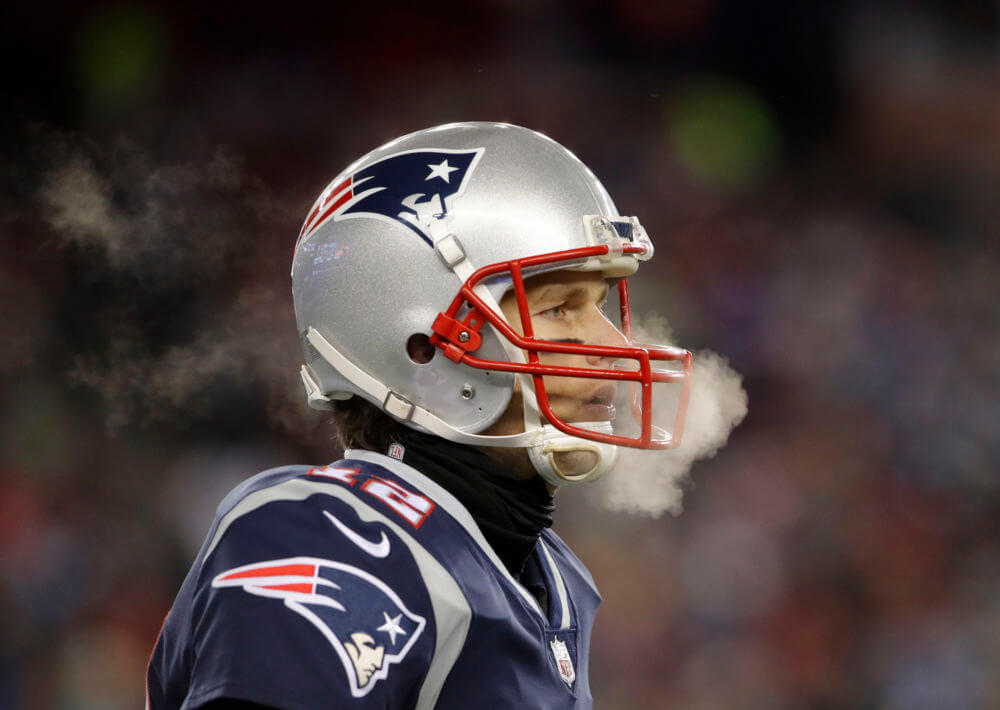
(441, 170)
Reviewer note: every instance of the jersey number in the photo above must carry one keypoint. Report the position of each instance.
(411, 507)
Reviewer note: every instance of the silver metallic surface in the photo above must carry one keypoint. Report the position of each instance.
(367, 284)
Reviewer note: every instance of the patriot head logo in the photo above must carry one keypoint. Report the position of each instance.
(414, 188)
(366, 622)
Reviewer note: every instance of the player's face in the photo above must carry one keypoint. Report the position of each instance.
(567, 307)
(564, 306)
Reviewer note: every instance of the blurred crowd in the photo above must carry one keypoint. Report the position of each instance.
(823, 195)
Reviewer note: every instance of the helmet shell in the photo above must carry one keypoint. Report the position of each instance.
(369, 281)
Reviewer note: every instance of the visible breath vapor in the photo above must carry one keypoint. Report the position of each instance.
(205, 231)
(651, 482)
(253, 343)
(166, 221)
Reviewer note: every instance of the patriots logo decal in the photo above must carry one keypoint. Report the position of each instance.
(413, 188)
(365, 621)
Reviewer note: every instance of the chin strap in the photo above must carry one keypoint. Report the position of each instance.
(556, 446)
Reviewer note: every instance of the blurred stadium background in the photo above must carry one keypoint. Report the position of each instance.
(822, 181)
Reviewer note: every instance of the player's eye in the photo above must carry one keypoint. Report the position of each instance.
(555, 312)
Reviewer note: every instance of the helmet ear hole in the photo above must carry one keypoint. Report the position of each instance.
(420, 349)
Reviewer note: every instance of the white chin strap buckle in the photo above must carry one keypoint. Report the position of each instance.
(561, 459)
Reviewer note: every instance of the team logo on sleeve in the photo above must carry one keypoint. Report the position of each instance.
(414, 188)
(364, 620)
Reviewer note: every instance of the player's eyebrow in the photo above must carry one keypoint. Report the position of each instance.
(571, 293)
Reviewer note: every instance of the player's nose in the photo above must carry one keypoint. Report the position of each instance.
(602, 332)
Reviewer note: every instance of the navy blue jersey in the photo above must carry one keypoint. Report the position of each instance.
(364, 584)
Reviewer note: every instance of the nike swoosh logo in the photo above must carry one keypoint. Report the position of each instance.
(375, 549)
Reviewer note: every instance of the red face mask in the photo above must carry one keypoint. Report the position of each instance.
(459, 338)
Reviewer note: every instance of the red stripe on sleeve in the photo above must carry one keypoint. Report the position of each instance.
(300, 570)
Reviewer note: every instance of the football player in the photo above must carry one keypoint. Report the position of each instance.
(461, 297)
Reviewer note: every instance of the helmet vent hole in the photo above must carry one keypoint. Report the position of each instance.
(420, 348)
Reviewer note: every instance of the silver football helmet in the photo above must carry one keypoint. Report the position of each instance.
(415, 244)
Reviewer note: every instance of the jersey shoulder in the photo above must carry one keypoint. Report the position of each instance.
(324, 563)
(364, 484)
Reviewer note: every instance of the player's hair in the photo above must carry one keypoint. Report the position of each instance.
(362, 425)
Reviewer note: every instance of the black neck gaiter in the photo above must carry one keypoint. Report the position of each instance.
(511, 512)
